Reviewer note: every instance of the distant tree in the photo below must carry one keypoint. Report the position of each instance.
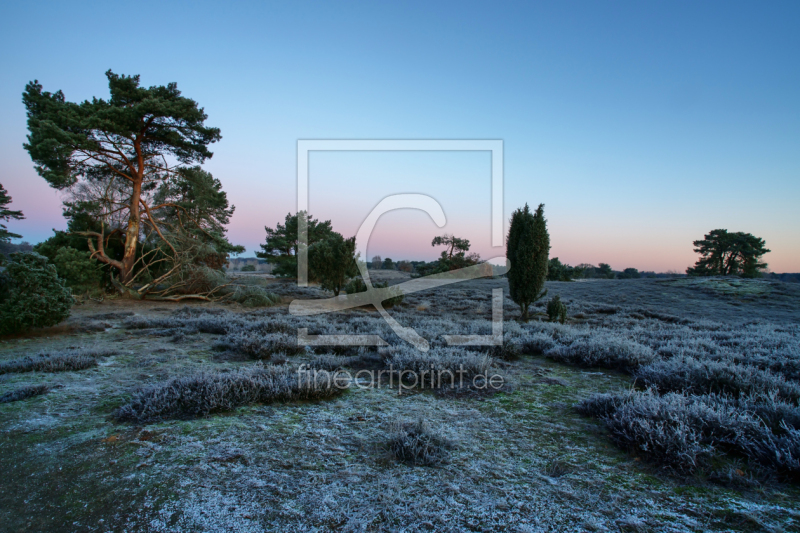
(121, 150)
(629, 273)
(454, 245)
(282, 242)
(453, 257)
(558, 271)
(376, 262)
(333, 261)
(604, 271)
(388, 264)
(724, 254)
(404, 266)
(249, 268)
(7, 214)
(527, 249)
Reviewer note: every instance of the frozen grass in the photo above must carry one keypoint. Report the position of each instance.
(417, 443)
(204, 393)
(24, 392)
(524, 462)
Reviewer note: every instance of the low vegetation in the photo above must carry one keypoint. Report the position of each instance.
(417, 443)
(24, 392)
(57, 362)
(31, 294)
(201, 394)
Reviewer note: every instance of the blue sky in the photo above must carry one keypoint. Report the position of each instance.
(640, 125)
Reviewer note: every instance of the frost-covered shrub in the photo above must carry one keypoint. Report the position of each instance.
(23, 393)
(60, 362)
(201, 394)
(332, 362)
(31, 294)
(685, 433)
(259, 346)
(605, 350)
(417, 443)
(603, 404)
(214, 323)
(686, 374)
(458, 361)
(537, 343)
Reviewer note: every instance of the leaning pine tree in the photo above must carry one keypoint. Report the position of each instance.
(527, 251)
(128, 163)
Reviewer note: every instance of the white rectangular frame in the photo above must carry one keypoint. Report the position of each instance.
(304, 146)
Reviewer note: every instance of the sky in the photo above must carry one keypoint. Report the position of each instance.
(640, 125)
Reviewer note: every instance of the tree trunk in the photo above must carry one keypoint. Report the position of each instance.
(132, 234)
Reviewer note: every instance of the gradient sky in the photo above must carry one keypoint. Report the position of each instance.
(640, 125)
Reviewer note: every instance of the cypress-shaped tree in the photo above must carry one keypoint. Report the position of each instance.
(527, 250)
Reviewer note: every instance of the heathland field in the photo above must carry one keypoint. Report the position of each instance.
(659, 405)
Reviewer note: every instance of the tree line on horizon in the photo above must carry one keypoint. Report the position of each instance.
(145, 220)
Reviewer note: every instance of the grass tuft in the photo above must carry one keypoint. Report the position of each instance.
(416, 443)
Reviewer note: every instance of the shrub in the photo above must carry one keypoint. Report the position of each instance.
(23, 393)
(61, 362)
(603, 405)
(330, 362)
(685, 433)
(31, 294)
(537, 343)
(558, 271)
(259, 346)
(417, 443)
(443, 362)
(686, 374)
(556, 310)
(605, 350)
(253, 296)
(77, 268)
(249, 268)
(201, 394)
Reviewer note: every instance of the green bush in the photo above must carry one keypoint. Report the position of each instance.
(77, 268)
(31, 294)
(556, 310)
(254, 296)
(249, 268)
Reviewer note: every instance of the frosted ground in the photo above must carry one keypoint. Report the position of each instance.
(523, 459)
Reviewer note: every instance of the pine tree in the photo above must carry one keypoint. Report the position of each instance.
(122, 147)
(724, 254)
(6, 215)
(332, 261)
(527, 250)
